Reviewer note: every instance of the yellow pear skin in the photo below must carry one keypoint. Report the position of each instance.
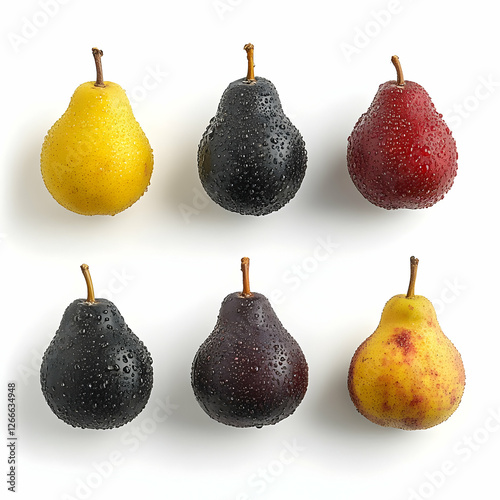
(407, 374)
(96, 160)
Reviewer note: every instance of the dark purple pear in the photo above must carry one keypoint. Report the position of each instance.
(250, 371)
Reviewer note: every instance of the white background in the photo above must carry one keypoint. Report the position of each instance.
(168, 261)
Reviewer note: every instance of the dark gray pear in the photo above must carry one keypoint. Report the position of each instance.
(96, 373)
(251, 158)
(250, 371)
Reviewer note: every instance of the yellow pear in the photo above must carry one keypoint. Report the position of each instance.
(96, 160)
(407, 374)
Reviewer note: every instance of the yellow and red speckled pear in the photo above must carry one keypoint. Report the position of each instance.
(96, 159)
(407, 374)
(401, 153)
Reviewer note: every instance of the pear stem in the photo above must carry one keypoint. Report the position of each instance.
(399, 71)
(99, 82)
(88, 280)
(413, 277)
(245, 265)
(250, 73)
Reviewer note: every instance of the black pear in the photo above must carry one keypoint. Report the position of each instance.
(250, 371)
(96, 373)
(251, 158)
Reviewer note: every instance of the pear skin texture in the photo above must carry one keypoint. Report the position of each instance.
(96, 160)
(407, 374)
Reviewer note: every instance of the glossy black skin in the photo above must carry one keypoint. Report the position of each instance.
(251, 158)
(250, 371)
(96, 373)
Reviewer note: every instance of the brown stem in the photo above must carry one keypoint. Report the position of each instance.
(99, 82)
(399, 71)
(245, 264)
(413, 277)
(88, 280)
(250, 73)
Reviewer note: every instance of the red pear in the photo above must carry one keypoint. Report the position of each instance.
(401, 153)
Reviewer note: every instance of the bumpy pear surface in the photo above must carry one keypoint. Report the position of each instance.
(250, 371)
(401, 153)
(96, 160)
(96, 373)
(407, 374)
(251, 158)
